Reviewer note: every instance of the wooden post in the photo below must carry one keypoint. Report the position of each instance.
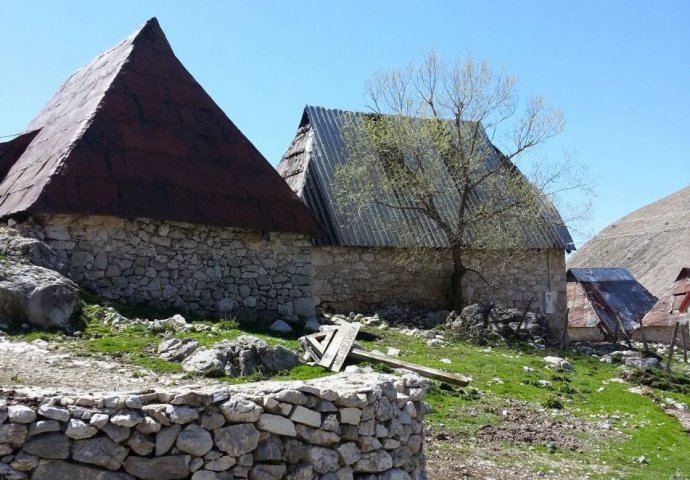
(522, 320)
(644, 337)
(623, 333)
(615, 333)
(684, 334)
(670, 350)
(564, 334)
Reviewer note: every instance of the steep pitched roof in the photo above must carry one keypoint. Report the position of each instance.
(309, 164)
(673, 304)
(132, 134)
(597, 297)
(652, 242)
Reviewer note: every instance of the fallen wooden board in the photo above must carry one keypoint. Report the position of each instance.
(332, 348)
(432, 373)
(340, 346)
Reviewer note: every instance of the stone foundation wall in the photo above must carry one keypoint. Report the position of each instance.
(344, 427)
(360, 279)
(585, 334)
(195, 268)
(657, 335)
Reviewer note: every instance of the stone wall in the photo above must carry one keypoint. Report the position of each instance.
(349, 426)
(360, 279)
(195, 268)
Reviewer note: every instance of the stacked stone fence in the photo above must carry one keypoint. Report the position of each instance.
(350, 426)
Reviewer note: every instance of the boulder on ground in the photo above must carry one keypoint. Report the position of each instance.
(177, 349)
(37, 296)
(279, 326)
(247, 355)
(243, 356)
(207, 362)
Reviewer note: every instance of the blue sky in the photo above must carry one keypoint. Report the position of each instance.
(620, 70)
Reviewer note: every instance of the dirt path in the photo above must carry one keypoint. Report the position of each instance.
(42, 365)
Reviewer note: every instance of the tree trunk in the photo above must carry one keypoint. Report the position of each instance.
(459, 270)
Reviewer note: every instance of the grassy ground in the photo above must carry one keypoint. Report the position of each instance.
(500, 375)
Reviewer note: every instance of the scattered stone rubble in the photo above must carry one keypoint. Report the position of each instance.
(481, 322)
(243, 356)
(493, 321)
(608, 352)
(342, 427)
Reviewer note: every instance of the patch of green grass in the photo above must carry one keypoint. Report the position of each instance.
(649, 430)
(498, 374)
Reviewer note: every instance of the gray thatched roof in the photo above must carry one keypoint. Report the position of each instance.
(652, 242)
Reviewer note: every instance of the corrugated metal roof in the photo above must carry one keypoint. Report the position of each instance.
(132, 134)
(609, 293)
(309, 166)
(600, 275)
(672, 305)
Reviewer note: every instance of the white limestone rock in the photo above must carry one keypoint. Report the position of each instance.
(207, 362)
(54, 413)
(77, 429)
(308, 417)
(280, 326)
(323, 460)
(238, 410)
(21, 414)
(37, 296)
(194, 440)
(100, 451)
(236, 440)
(277, 425)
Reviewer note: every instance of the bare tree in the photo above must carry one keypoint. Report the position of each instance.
(426, 154)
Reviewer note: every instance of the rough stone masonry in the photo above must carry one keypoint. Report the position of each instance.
(350, 426)
(195, 268)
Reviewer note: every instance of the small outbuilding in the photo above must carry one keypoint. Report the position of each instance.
(604, 301)
(355, 265)
(672, 308)
(150, 194)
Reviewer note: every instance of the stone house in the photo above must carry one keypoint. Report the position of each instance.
(354, 262)
(673, 307)
(602, 301)
(150, 194)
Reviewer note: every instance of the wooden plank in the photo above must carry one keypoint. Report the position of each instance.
(644, 337)
(312, 347)
(685, 340)
(317, 343)
(432, 373)
(623, 333)
(342, 337)
(324, 342)
(345, 347)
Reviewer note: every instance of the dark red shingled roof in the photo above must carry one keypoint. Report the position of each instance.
(132, 134)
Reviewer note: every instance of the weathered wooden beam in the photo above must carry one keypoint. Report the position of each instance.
(670, 350)
(363, 355)
(644, 337)
(342, 342)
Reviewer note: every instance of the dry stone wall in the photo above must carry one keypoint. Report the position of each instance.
(350, 426)
(196, 268)
(362, 279)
